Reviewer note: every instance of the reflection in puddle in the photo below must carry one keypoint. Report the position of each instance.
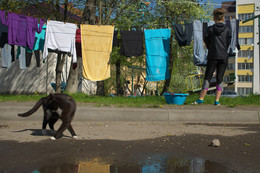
(154, 164)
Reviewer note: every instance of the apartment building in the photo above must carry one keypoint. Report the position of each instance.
(245, 65)
(230, 7)
(247, 60)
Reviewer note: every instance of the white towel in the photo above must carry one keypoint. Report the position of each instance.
(60, 36)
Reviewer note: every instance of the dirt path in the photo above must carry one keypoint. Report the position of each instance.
(23, 148)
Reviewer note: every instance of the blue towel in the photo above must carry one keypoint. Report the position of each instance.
(157, 44)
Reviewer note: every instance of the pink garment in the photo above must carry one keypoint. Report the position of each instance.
(78, 43)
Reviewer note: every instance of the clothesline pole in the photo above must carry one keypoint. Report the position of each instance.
(132, 81)
(47, 75)
(132, 67)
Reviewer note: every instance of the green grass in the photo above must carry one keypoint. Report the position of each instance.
(227, 101)
(146, 101)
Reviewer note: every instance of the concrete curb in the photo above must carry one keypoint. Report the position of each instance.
(85, 113)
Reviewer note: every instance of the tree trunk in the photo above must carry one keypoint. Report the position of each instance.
(100, 88)
(89, 12)
(119, 87)
(74, 76)
(61, 58)
(59, 67)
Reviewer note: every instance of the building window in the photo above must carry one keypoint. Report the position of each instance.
(245, 78)
(230, 78)
(246, 53)
(228, 17)
(244, 91)
(231, 67)
(229, 89)
(246, 29)
(245, 16)
(245, 66)
(246, 41)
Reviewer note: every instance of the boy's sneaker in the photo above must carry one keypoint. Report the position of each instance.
(216, 103)
(198, 101)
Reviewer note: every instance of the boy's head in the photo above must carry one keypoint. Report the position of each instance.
(218, 14)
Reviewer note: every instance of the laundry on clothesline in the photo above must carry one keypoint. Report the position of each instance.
(94, 43)
(3, 35)
(157, 44)
(60, 36)
(183, 35)
(96, 50)
(132, 43)
(21, 29)
(234, 25)
(200, 50)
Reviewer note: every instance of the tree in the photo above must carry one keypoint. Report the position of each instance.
(177, 11)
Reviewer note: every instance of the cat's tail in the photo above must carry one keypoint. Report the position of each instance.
(34, 109)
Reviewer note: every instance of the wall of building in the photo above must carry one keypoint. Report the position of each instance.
(35, 80)
(246, 7)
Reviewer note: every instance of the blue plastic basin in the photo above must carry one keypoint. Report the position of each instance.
(175, 98)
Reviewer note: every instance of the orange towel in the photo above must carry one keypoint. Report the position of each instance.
(96, 44)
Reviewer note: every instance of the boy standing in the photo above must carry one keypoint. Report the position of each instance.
(217, 40)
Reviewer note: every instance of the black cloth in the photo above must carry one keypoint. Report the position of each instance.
(132, 43)
(115, 39)
(13, 53)
(237, 44)
(217, 40)
(29, 57)
(3, 35)
(205, 26)
(183, 35)
(220, 66)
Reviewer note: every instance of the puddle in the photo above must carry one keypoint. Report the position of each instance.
(157, 163)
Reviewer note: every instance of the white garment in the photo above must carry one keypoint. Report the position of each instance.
(60, 36)
(22, 59)
(6, 56)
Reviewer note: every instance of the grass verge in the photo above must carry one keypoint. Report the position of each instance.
(146, 101)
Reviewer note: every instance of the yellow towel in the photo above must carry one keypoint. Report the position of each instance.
(96, 44)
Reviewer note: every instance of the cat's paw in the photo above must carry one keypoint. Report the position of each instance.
(75, 137)
(44, 132)
(53, 138)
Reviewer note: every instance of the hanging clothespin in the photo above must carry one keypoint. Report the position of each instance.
(230, 18)
(28, 14)
(76, 24)
(181, 22)
(10, 11)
